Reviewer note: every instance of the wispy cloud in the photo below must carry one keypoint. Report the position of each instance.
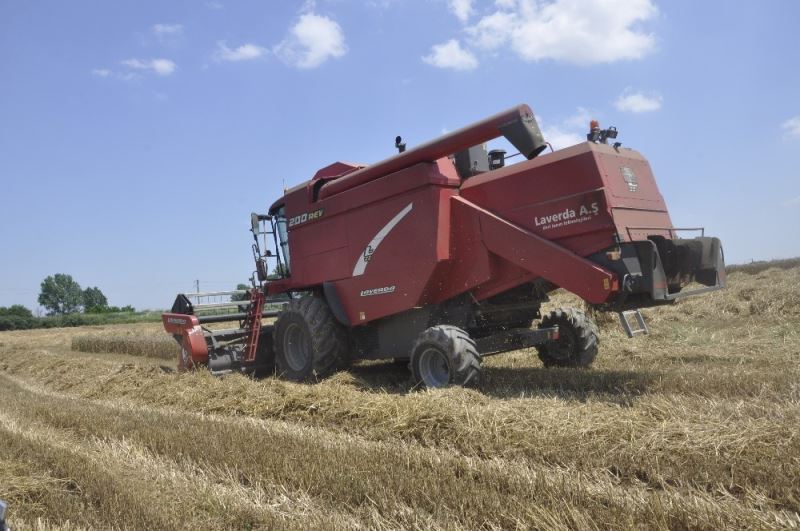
(579, 119)
(569, 131)
(161, 67)
(791, 127)
(215, 5)
(107, 73)
(793, 202)
(312, 41)
(167, 30)
(451, 55)
(638, 102)
(245, 52)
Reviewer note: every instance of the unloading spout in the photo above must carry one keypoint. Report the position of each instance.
(517, 124)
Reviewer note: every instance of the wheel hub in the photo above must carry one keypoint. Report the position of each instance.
(296, 346)
(433, 368)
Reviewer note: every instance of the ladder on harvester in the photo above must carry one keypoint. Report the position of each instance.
(252, 324)
(640, 326)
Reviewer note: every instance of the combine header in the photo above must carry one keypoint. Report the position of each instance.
(443, 254)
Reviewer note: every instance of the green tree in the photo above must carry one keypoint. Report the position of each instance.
(15, 310)
(60, 294)
(279, 272)
(16, 317)
(241, 296)
(94, 301)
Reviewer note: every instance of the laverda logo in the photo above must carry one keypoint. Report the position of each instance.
(368, 252)
(378, 291)
(366, 256)
(568, 216)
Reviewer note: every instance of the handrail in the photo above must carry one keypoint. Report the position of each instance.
(215, 293)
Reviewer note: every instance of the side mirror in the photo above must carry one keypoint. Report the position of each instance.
(261, 270)
(254, 223)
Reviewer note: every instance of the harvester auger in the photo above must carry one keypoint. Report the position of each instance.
(443, 254)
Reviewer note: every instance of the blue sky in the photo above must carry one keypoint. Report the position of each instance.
(136, 137)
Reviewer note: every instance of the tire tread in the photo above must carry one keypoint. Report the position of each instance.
(328, 337)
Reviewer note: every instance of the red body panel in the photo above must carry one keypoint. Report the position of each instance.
(420, 235)
(586, 175)
(194, 350)
(540, 257)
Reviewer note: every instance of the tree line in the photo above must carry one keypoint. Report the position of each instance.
(61, 295)
(66, 304)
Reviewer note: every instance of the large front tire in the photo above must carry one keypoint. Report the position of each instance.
(445, 355)
(577, 342)
(309, 343)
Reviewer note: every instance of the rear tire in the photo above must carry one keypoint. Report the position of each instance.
(577, 342)
(445, 355)
(308, 341)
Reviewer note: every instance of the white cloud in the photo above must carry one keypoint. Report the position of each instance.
(312, 40)
(451, 55)
(560, 138)
(245, 52)
(462, 9)
(793, 202)
(493, 31)
(573, 31)
(638, 102)
(791, 127)
(215, 5)
(167, 30)
(567, 132)
(162, 67)
(101, 72)
(579, 119)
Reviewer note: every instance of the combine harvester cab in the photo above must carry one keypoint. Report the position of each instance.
(443, 254)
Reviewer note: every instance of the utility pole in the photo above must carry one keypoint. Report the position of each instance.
(197, 286)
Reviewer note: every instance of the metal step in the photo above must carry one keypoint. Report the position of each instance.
(639, 325)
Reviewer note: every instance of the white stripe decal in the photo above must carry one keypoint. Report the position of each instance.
(372, 246)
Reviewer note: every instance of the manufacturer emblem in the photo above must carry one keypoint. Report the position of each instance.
(630, 178)
(365, 257)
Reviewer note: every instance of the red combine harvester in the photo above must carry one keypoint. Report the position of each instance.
(442, 254)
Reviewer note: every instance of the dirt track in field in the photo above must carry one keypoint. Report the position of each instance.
(694, 426)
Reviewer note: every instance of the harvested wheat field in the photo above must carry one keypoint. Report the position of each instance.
(695, 426)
